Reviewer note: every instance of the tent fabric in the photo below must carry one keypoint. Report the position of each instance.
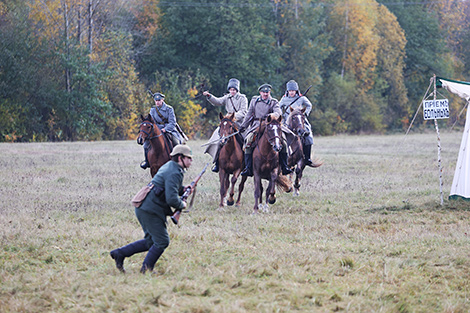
(461, 183)
(462, 89)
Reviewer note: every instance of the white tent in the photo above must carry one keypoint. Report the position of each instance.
(461, 183)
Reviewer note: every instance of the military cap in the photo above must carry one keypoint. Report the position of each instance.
(233, 83)
(182, 149)
(292, 85)
(158, 96)
(265, 88)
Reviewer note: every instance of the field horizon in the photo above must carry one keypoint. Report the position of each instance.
(366, 234)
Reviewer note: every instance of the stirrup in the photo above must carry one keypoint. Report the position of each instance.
(286, 171)
(247, 172)
(144, 165)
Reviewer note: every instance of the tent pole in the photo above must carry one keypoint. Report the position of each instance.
(438, 145)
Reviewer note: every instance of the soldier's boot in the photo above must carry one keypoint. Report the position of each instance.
(283, 162)
(215, 168)
(145, 164)
(120, 254)
(248, 171)
(307, 151)
(151, 258)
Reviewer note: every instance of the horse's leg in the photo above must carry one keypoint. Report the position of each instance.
(258, 191)
(271, 191)
(223, 188)
(233, 181)
(298, 177)
(240, 189)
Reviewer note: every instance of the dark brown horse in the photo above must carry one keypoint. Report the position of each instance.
(266, 162)
(160, 147)
(296, 123)
(230, 160)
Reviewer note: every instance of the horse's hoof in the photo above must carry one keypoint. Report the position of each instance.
(296, 192)
(230, 203)
(266, 208)
(272, 201)
(237, 205)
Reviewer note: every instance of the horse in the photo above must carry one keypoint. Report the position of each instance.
(266, 162)
(296, 123)
(160, 146)
(231, 161)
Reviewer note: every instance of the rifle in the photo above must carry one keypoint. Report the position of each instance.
(176, 216)
(177, 126)
(306, 91)
(219, 139)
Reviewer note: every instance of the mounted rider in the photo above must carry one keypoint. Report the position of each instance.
(164, 116)
(260, 107)
(234, 102)
(294, 100)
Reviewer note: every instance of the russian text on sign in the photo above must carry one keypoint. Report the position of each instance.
(436, 109)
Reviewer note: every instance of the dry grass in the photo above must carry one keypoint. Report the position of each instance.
(366, 234)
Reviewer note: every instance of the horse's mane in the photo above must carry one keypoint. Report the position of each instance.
(294, 112)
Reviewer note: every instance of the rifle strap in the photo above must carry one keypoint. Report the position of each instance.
(161, 116)
(233, 105)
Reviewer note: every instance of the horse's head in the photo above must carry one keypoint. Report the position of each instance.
(273, 131)
(296, 122)
(146, 129)
(227, 126)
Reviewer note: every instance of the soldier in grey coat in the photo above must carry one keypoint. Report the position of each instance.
(293, 100)
(164, 116)
(260, 107)
(152, 213)
(234, 102)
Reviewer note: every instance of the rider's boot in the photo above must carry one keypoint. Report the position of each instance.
(145, 164)
(215, 168)
(248, 171)
(120, 254)
(283, 162)
(307, 151)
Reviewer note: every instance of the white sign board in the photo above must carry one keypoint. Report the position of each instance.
(438, 109)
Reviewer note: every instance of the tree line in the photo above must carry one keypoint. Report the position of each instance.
(80, 69)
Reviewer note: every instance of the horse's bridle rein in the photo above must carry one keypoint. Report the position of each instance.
(149, 134)
(232, 126)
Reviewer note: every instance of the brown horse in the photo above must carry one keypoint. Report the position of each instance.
(296, 123)
(160, 146)
(266, 162)
(230, 160)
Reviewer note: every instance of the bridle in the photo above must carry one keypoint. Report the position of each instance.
(233, 128)
(151, 134)
(300, 118)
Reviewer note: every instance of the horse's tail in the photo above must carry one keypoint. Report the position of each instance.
(317, 163)
(283, 183)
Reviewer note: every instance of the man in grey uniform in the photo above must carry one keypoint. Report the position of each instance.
(234, 102)
(260, 107)
(164, 116)
(293, 100)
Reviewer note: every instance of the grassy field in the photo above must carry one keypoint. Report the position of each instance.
(366, 234)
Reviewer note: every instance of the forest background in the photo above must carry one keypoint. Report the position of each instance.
(80, 69)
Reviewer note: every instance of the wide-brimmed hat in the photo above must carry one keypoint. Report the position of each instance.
(182, 149)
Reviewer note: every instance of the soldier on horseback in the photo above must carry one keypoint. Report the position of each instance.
(294, 100)
(260, 107)
(234, 102)
(164, 116)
